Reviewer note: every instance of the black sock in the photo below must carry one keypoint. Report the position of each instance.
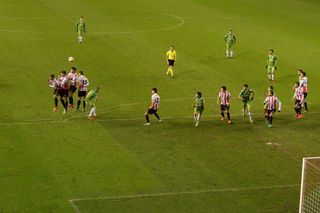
(295, 109)
(78, 104)
(71, 100)
(268, 118)
(157, 116)
(299, 111)
(306, 106)
(55, 102)
(271, 119)
(222, 114)
(84, 104)
(63, 103)
(228, 114)
(147, 118)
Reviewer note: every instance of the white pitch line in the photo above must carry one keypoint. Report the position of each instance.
(184, 193)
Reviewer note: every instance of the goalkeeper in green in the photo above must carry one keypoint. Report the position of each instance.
(230, 40)
(81, 29)
(271, 65)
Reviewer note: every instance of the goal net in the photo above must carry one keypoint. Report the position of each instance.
(310, 186)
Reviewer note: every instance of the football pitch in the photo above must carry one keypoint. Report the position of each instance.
(55, 162)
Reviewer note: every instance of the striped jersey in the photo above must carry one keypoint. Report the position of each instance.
(155, 99)
(303, 84)
(54, 83)
(72, 77)
(63, 80)
(298, 94)
(271, 103)
(224, 97)
(83, 83)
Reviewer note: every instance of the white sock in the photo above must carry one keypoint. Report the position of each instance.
(250, 115)
(94, 111)
(195, 117)
(231, 53)
(80, 39)
(269, 76)
(91, 111)
(227, 53)
(272, 77)
(198, 117)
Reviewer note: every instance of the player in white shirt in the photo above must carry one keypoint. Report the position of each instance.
(72, 77)
(298, 98)
(83, 84)
(224, 98)
(152, 110)
(303, 85)
(270, 104)
(63, 90)
(54, 83)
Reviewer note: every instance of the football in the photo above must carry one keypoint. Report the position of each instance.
(70, 59)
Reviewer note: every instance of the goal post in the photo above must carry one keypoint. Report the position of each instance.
(310, 186)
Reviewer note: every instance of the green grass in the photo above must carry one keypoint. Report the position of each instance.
(48, 158)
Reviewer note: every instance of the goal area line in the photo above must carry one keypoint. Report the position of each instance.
(77, 210)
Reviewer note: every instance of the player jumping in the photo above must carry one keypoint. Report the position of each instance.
(230, 40)
(303, 84)
(198, 108)
(246, 96)
(73, 77)
(171, 58)
(63, 90)
(299, 98)
(224, 99)
(270, 107)
(271, 65)
(83, 84)
(155, 102)
(81, 29)
(90, 98)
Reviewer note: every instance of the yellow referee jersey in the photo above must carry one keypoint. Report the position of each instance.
(171, 55)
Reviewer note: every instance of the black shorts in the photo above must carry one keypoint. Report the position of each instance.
(269, 111)
(72, 89)
(305, 94)
(224, 107)
(82, 93)
(63, 92)
(171, 62)
(297, 104)
(151, 111)
(56, 92)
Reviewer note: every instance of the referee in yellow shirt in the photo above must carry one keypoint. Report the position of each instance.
(171, 58)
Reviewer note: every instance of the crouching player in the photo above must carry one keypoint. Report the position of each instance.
(299, 98)
(152, 110)
(90, 98)
(270, 104)
(54, 83)
(224, 99)
(198, 108)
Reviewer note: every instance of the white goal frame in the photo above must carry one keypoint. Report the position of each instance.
(303, 185)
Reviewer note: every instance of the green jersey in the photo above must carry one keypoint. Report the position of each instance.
(91, 95)
(230, 39)
(272, 61)
(199, 104)
(81, 26)
(246, 95)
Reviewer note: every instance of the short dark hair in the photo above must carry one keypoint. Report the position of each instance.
(303, 72)
(154, 90)
(271, 50)
(74, 68)
(271, 92)
(297, 83)
(224, 88)
(52, 75)
(245, 85)
(199, 94)
(271, 87)
(64, 72)
(81, 72)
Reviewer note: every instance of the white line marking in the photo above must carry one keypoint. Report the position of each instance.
(72, 201)
(74, 206)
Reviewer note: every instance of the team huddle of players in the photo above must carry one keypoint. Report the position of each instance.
(66, 84)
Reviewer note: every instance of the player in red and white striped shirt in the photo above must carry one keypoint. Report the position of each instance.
(298, 96)
(83, 84)
(54, 83)
(270, 104)
(303, 84)
(72, 77)
(224, 98)
(63, 90)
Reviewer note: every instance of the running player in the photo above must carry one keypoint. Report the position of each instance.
(230, 40)
(198, 108)
(63, 90)
(83, 84)
(90, 98)
(246, 96)
(271, 65)
(81, 29)
(72, 77)
(270, 89)
(171, 58)
(155, 102)
(270, 106)
(54, 83)
(224, 98)
(303, 84)
(299, 98)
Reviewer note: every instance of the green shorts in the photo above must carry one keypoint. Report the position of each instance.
(91, 103)
(80, 32)
(246, 105)
(229, 46)
(271, 69)
(198, 110)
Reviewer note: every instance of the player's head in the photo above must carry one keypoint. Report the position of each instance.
(270, 88)
(270, 93)
(223, 88)
(230, 31)
(81, 72)
(73, 69)
(171, 47)
(245, 86)
(271, 51)
(198, 94)
(51, 76)
(154, 90)
(97, 89)
(81, 18)
(63, 72)
(296, 84)
(301, 72)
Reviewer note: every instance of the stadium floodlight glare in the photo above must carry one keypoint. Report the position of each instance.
(310, 186)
